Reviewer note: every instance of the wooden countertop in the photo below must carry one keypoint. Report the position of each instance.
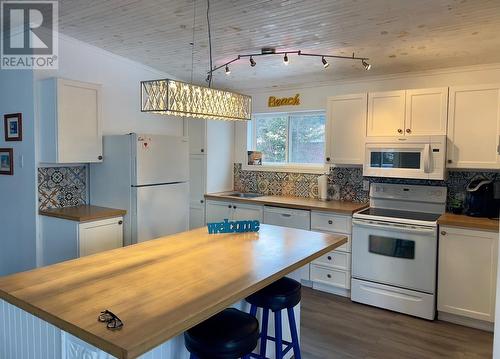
(340, 207)
(460, 220)
(162, 287)
(83, 213)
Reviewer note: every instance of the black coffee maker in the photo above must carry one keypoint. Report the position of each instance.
(480, 198)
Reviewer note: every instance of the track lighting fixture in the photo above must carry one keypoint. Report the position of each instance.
(285, 59)
(325, 63)
(268, 51)
(228, 71)
(366, 65)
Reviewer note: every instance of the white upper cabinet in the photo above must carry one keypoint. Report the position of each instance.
(346, 128)
(70, 121)
(474, 127)
(426, 112)
(420, 112)
(197, 131)
(386, 113)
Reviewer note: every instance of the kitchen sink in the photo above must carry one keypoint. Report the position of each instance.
(244, 195)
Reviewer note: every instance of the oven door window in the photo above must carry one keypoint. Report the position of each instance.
(395, 159)
(392, 247)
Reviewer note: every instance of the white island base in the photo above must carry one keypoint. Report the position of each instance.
(24, 336)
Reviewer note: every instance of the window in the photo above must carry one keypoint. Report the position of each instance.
(289, 138)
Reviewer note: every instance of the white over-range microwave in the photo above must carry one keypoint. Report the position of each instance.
(421, 157)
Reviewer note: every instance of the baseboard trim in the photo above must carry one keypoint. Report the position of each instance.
(331, 289)
(466, 322)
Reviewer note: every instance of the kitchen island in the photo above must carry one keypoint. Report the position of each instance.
(158, 288)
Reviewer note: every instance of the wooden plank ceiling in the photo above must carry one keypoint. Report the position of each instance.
(397, 35)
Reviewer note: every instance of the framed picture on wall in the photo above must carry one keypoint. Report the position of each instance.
(6, 161)
(13, 124)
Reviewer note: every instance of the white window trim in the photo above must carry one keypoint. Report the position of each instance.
(316, 168)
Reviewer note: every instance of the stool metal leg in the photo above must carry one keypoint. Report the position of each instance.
(263, 334)
(253, 310)
(293, 331)
(278, 334)
(192, 356)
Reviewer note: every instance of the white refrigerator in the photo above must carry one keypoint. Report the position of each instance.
(147, 175)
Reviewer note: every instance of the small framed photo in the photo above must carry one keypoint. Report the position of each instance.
(13, 124)
(6, 161)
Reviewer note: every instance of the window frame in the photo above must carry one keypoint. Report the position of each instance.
(315, 168)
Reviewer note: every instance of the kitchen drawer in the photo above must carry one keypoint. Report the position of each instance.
(323, 221)
(336, 260)
(331, 276)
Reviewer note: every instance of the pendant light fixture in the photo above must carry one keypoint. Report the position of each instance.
(172, 97)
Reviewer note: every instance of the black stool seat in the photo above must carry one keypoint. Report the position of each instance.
(284, 293)
(229, 334)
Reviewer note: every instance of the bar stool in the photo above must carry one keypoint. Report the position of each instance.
(284, 293)
(230, 334)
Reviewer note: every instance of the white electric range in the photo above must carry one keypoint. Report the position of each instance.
(394, 248)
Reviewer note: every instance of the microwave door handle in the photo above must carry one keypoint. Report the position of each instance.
(427, 158)
(392, 227)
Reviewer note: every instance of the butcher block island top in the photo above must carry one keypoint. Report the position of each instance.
(162, 287)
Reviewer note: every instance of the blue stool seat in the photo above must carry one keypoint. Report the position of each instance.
(285, 293)
(282, 294)
(229, 334)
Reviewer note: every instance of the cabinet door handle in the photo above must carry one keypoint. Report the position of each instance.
(408, 130)
(400, 130)
(443, 233)
(202, 150)
(120, 222)
(450, 161)
(330, 221)
(234, 207)
(202, 201)
(229, 206)
(329, 275)
(328, 159)
(99, 158)
(329, 258)
(498, 147)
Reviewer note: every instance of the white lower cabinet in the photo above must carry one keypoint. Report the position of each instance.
(467, 276)
(217, 211)
(100, 236)
(332, 271)
(64, 239)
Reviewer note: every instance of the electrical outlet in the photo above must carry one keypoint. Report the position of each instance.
(366, 185)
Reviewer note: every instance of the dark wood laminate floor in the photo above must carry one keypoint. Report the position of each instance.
(335, 327)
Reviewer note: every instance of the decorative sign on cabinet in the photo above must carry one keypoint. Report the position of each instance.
(70, 114)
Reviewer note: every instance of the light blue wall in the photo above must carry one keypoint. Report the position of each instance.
(18, 198)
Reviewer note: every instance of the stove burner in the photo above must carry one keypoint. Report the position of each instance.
(392, 213)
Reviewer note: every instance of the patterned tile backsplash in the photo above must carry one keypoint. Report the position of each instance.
(62, 186)
(345, 184)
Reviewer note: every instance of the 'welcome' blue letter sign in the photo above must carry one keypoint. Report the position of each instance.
(232, 227)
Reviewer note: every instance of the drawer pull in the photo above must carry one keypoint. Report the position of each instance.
(229, 206)
(443, 233)
(330, 221)
(120, 223)
(329, 258)
(329, 276)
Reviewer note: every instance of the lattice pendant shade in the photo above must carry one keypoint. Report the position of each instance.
(170, 97)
